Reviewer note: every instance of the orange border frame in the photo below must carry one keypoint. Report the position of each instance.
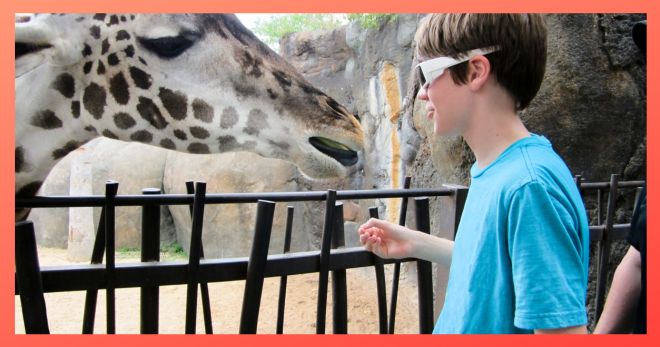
(9, 7)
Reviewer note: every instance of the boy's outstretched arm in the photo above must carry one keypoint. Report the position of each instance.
(389, 240)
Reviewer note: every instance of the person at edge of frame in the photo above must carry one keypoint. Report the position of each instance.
(519, 262)
(625, 307)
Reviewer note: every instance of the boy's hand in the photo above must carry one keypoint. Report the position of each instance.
(386, 240)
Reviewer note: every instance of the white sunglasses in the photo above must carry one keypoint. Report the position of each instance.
(429, 70)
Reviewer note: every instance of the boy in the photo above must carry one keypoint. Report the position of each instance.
(520, 259)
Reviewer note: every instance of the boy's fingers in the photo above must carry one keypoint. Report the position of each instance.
(373, 222)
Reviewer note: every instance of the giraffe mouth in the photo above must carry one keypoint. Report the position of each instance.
(22, 48)
(335, 150)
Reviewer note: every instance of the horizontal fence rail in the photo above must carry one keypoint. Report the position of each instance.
(229, 198)
(330, 260)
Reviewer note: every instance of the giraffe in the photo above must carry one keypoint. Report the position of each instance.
(197, 83)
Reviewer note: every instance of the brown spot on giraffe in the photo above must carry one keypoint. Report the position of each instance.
(20, 165)
(119, 88)
(140, 78)
(87, 67)
(29, 190)
(122, 35)
(167, 143)
(64, 84)
(87, 50)
(150, 112)
(256, 122)
(94, 100)
(271, 94)
(113, 59)
(124, 120)
(227, 143)
(229, 118)
(251, 65)
(46, 119)
(199, 132)
(176, 103)
(105, 46)
(130, 51)
(180, 134)
(114, 20)
(75, 108)
(95, 31)
(100, 69)
(202, 110)
(66, 149)
(198, 148)
(282, 79)
(109, 134)
(142, 136)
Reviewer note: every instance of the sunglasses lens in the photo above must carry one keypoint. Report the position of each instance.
(420, 76)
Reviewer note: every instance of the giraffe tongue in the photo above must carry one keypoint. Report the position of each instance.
(335, 150)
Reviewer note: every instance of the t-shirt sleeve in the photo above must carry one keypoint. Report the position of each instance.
(546, 253)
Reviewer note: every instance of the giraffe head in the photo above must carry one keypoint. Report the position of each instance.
(198, 83)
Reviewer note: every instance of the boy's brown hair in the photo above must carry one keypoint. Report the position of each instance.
(519, 63)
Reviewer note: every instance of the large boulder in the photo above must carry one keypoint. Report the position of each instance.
(84, 172)
(228, 228)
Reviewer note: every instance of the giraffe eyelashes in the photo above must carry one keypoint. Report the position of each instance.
(170, 46)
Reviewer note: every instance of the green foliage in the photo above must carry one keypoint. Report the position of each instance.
(371, 20)
(273, 28)
(167, 253)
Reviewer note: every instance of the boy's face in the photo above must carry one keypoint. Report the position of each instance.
(447, 105)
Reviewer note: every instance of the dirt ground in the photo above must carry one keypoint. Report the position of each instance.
(65, 310)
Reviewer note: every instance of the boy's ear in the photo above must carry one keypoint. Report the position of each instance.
(478, 72)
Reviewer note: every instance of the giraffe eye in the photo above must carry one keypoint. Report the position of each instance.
(170, 46)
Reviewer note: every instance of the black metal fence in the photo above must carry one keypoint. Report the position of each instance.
(32, 281)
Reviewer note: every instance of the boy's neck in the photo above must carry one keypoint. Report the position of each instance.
(492, 131)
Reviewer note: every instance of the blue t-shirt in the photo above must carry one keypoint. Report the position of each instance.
(521, 254)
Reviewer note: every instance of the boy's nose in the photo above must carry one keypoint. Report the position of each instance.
(422, 95)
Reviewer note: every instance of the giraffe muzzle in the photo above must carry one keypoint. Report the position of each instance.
(339, 152)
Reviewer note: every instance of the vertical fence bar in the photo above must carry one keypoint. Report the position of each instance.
(257, 267)
(194, 255)
(92, 294)
(605, 245)
(283, 280)
(397, 264)
(424, 271)
(111, 188)
(204, 287)
(150, 251)
(339, 290)
(324, 260)
(28, 274)
(379, 268)
(599, 207)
